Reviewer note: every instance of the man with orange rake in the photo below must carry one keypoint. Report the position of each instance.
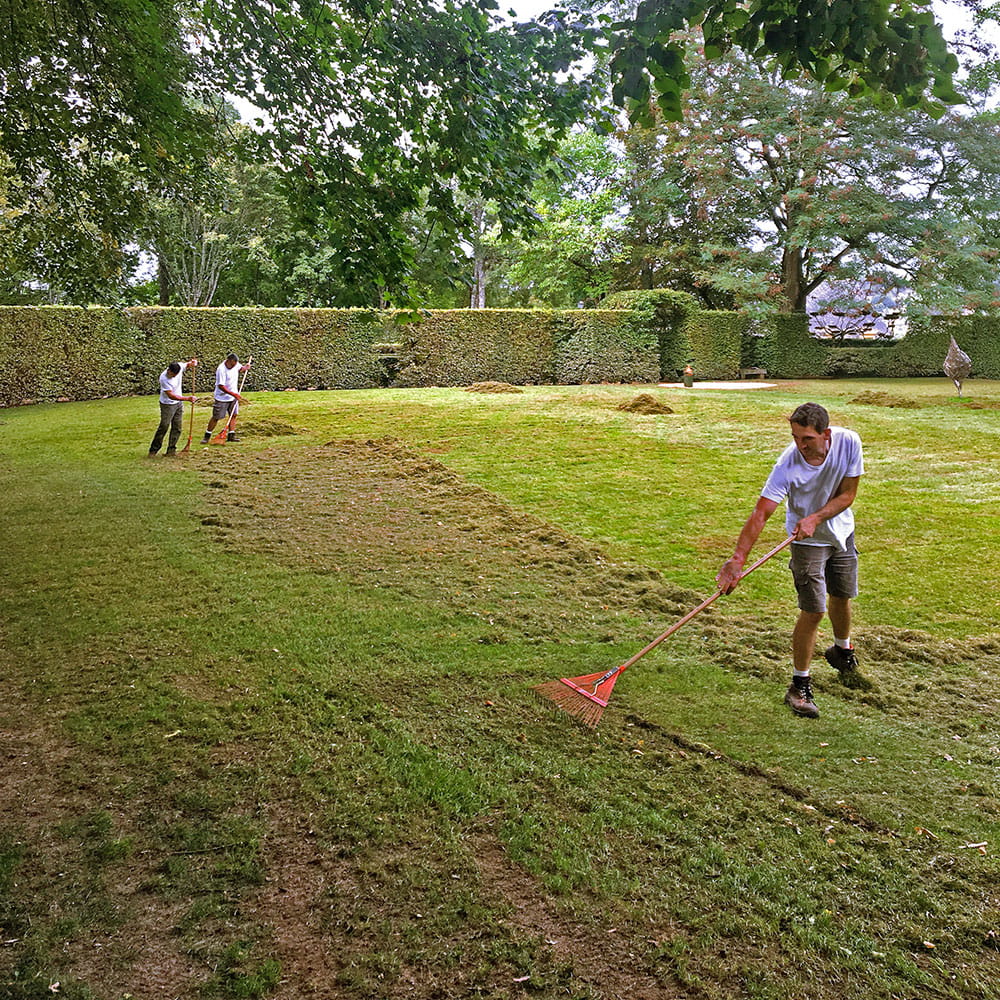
(227, 397)
(817, 475)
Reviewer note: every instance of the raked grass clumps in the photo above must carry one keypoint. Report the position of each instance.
(267, 727)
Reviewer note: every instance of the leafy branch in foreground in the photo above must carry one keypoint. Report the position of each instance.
(893, 51)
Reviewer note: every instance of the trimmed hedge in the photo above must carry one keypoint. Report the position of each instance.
(922, 351)
(717, 343)
(667, 313)
(51, 352)
(604, 345)
(55, 352)
(463, 346)
(292, 348)
(787, 349)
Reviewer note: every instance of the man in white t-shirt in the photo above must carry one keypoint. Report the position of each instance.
(171, 405)
(227, 397)
(817, 476)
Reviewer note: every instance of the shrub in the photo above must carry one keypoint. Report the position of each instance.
(605, 345)
(462, 346)
(667, 314)
(66, 352)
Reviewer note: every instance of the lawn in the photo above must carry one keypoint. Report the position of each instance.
(268, 727)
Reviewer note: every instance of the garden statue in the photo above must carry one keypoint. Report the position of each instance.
(957, 365)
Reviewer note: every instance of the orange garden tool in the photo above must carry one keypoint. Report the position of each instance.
(587, 697)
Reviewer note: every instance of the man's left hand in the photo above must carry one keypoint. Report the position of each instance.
(806, 528)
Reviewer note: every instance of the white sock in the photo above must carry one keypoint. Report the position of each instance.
(800, 673)
(843, 643)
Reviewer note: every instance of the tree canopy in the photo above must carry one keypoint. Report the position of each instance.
(371, 109)
(831, 189)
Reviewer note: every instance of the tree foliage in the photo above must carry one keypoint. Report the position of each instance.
(569, 256)
(199, 235)
(825, 189)
(892, 50)
(372, 109)
(93, 98)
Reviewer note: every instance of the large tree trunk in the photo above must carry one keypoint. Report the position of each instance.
(793, 283)
(478, 298)
(163, 282)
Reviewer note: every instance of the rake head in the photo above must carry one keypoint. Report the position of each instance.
(585, 698)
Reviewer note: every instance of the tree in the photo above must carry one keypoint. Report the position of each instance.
(669, 239)
(91, 93)
(569, 254)
(375, 109)
(831, 189)
(370, 108)
(199, 234)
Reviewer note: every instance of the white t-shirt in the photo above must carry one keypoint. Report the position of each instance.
(230, 378)
(808, 487)
(172, 383)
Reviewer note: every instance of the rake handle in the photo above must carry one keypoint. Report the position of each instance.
(701, 607)
(187, 447)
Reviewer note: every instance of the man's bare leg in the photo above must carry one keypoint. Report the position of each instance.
(804, 640)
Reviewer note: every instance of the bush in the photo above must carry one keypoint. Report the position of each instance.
(717, 343)
(666, 313)
(462, 346)
(52, 352)
(58, 352)
(788, 349)
(292, 348)
(605, 345)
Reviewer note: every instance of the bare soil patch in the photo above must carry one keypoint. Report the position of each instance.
(51, 795)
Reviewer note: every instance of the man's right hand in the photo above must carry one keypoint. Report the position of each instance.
(729, 575)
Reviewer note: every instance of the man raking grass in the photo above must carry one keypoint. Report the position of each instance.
(817, 475)
(227, 398)
(171, 406)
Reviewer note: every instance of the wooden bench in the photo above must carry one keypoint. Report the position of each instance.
(753, 373)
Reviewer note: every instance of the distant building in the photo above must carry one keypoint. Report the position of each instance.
(863, 310)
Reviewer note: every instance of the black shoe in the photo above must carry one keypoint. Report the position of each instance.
(206, 438)
(232, 436)
(843, 660)
(799, 698)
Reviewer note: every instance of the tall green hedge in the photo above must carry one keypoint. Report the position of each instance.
(605, 345)
(922, 351)
(47, 353)
(667, 313)
(788, 350)
(717, 343)
(54, 352)
(292, 348)
(463, 346)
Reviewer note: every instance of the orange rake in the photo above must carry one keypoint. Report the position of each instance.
(586, 697)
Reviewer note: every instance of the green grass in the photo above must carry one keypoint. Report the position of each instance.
(269, 723)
